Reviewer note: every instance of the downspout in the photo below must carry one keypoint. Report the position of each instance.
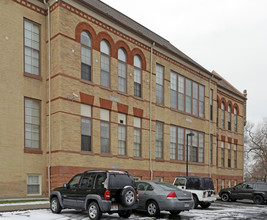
(49, 97)
(150, 114)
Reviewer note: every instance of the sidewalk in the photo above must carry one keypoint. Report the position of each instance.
(8, 207)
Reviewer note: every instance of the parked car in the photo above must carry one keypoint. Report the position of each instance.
(201, 187)
(256, 191)
(97, 192)
(158, 196)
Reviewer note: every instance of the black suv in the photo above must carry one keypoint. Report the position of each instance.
(97, 192)
(256, 191)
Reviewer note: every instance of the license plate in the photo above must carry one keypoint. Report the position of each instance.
(114, 208)
(186, 205)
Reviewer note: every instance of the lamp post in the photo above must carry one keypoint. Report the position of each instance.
(189, 134)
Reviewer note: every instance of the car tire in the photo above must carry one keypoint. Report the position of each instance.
(225, 197)
(125, 213)
(152, 209)
(174, 213)
(195, 201)
(205, 205)
(128, 196)
(55, 205)
(94, 211)
(258, 199)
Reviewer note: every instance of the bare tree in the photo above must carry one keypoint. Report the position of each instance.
(256, 151)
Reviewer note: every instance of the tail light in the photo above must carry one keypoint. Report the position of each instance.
(107, 195)
(172, 195)
(137, 194)
(204, 194)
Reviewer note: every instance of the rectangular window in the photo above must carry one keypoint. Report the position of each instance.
(137, 137)
(121, 134)
(211, 149)
(229, 155)
(159, 139)
(122, 76)
(31, 48)
(201, 147)
(235, 155)
(195, 147)
(188, 92)
(86, 63)
(229, 183)
(137, 82)
(34, 184)
(180, 144)
(222, 184)
(229, 118)
(201, 101)
(105, 68)
(195, 98)
(222, 154)
(159, 84)
(32, 123)
(86, 142)
(211, 104)
(181, 93)
(173, 141)
(173, 90)
(104, 127)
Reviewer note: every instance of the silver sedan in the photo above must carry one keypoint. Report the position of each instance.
(160, 196)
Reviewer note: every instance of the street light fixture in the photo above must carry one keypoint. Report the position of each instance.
(189, 134)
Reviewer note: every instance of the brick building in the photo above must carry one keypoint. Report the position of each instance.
(85, 87)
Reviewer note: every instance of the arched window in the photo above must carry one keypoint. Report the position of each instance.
(105, 63)
(137, 76)
(222, 115)
(235, 119)
(86, 56)
(122, 70)
(229, 117)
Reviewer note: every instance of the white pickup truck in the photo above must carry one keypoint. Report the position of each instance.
(201, 187)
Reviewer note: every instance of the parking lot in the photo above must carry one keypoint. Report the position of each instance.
(218, 210)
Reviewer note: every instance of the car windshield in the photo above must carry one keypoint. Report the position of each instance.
(166, 186)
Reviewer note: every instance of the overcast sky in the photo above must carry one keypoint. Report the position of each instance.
(228, 36)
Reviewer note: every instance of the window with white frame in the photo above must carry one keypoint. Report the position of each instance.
(229, 117)
(105, 63)
(174, 88)
(31, 47)
(195, 147)
(222, 115)
(211, 104)
(222, 184)
(235, 119)
(137, 137)
(195, 98)
(181, 144)
(105, 133)
(229, 183)
(173, 143)
(201, 101)
(32, 123)
(122, 67)
(159, 84)
(222, 153)
(121, 134)
(201, 147)
(159, 139)
(188, 92)
(34, 184)
(86, 127)
(181, 95)
(235, 155)
(86, 56)
(137, 76)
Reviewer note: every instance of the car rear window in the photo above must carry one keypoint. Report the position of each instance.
(207, 183)
(193, 183)
(166, 186)
(119, 180)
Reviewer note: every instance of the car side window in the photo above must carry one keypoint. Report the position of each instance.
(74, 182)
(250, 186)
(144, 187)
(180, 182)
(262, 186)
(193, 183)
(88, 180)
(100, 179)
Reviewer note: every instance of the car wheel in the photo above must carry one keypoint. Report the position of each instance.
(152, 209)
(225, 197)
(205, 205)
(195, 202)
(257, 199)
(94, 211)
(55, 206)
(128, 196)
(175, 212)
(125, 213)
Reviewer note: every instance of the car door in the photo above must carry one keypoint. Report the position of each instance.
(248, 191)
(180, 182)
(85, 188)
(69, 198)
(239, 191)
(144, 191)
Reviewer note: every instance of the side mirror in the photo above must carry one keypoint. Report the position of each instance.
(65, 185)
